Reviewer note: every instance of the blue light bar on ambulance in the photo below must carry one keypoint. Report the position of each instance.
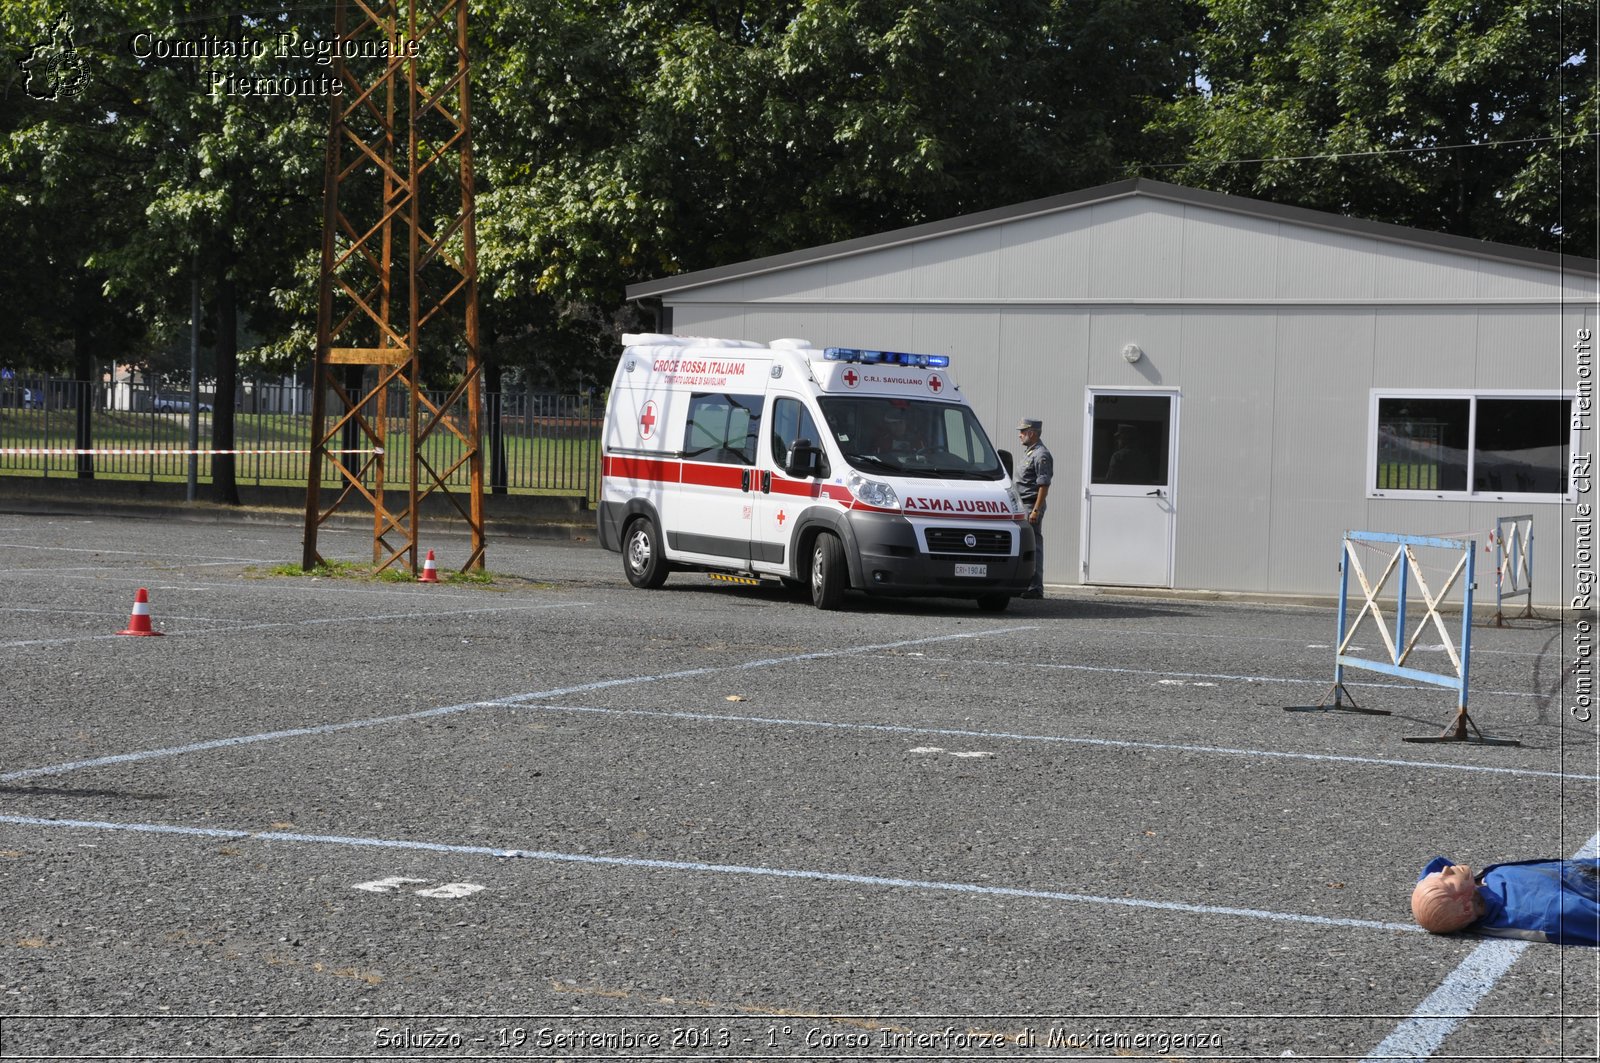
(855, 354)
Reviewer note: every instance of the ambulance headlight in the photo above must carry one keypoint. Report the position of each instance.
(872, 492)
(1016, 499)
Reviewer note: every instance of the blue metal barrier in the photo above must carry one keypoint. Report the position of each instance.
(1406, 570)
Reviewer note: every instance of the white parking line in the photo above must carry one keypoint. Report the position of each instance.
(1007, 736)
(514, 699)
(1168, 634)
(1447, 1007)
(218, 558)
(1323, 682)
(233, 627)
(718, 869)
(100, 570)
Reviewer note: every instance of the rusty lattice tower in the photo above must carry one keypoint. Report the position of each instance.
(398, 298)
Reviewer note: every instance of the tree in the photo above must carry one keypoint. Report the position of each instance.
(183, 150)
(52, 152)
(1472, 117)
(628, 141)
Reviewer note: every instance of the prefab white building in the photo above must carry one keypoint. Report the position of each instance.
(1227, 385)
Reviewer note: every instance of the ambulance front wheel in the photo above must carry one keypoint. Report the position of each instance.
(828, 574)
(641, 554)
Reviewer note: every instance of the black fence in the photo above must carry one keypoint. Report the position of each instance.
(532, 443)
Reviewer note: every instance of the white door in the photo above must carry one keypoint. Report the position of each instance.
(1130, 451)
(707, 518)
(779, 498)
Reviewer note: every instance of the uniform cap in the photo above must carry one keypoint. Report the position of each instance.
(1029, 424)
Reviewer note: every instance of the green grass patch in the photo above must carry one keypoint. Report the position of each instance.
(323, 570)
(1407, 476)
(358, 572)
(533, 463)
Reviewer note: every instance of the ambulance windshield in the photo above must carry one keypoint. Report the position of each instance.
(906, 437)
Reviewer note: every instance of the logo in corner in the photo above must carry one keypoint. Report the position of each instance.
(55, 70)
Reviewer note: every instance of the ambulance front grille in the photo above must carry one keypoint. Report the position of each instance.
(953, 541)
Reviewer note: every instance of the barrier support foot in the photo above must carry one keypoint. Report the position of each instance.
(1526, 614)
(1458, 732)
(1340, 696)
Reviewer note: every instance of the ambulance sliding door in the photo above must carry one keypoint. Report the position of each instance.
(779, 497)
(709, 517)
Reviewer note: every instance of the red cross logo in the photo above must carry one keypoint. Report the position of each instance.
(647, 420)
(780, 518)
(935, 384)
(850, 378)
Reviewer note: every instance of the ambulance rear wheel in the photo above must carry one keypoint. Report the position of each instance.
(828, 575)
(641, 554)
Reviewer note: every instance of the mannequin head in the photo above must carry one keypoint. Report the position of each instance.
(1447, 900)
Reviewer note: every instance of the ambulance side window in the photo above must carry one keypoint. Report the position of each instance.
(959, 438)
(723, 428)
(790, 421)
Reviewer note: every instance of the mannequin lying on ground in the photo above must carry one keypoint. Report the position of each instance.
(1537, 900)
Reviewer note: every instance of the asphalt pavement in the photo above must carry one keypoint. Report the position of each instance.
(553, 816)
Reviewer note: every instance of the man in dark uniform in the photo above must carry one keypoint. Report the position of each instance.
(1033, 484)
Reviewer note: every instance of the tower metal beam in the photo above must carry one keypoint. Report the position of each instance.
(398, 290)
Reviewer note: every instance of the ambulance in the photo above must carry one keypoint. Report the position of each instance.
(830, 470)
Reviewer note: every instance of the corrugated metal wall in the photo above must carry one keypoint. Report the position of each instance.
(1275, 332)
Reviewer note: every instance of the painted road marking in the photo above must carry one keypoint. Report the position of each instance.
(1168, 634)
(714, 869)
(452, 890)
(234, 627)
(218, 558)
(520, 703)
(392, 884)
(1005, 736)
(512, 700)
(395, 883)
(1108, 669)
(1438, 1016)
(225, 743)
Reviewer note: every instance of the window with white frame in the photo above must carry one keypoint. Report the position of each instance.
(1464, 444)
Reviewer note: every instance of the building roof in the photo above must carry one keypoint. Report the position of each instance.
(1138, 186)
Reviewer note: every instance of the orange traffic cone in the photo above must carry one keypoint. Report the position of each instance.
(430, 571)
(139, 622)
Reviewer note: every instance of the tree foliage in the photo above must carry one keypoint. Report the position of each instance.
(627, 141)
(167, 171)
(53, 175)
(1473, 117)
(622, 140)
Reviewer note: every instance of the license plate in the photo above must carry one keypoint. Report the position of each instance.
(972, 570)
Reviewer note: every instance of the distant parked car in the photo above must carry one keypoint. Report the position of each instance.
(164, 405)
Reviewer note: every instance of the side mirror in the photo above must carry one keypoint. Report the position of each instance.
(1006, 459)
(804, 460)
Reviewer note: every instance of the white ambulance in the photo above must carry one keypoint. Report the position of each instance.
(829, 469)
